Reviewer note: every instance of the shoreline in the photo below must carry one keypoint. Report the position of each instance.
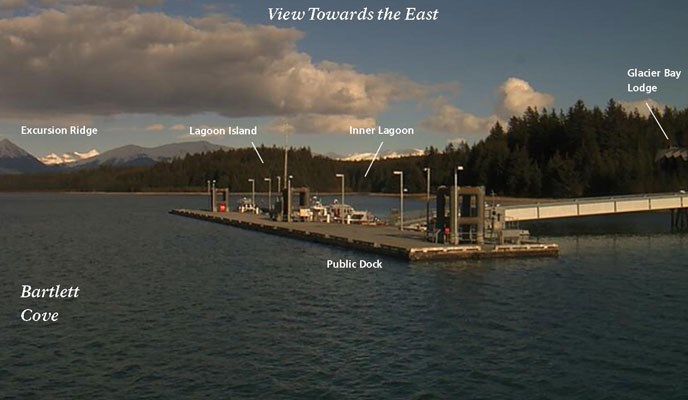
(504, 200)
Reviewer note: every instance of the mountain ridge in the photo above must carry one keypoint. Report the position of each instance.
(15, 160)
(67, 158)
(134, 155)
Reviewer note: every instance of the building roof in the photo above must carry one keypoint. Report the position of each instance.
(672, 152)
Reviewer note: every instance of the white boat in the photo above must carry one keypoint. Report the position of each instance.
(319, 212)
(346, 213)
(339, 211)
(246, 206)
(361, 217)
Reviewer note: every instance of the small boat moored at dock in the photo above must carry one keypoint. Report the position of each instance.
(246, 206)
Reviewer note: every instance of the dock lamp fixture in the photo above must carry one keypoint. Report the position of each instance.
(211, 193)
(212, 196)
(341, 176)
(401, 198)
(289, 178)
(427, 199)
(455, 206)
(253, 192)
(269, 181)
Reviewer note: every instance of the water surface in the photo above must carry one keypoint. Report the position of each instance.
(172, 307)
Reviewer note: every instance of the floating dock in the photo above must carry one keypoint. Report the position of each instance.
(386, 240)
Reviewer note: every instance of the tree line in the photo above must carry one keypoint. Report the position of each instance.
(542, 153)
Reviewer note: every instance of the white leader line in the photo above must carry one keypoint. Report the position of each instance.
(254, 148)
(656, 120)
(373, 160)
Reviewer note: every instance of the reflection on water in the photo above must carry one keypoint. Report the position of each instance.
(619, 224)
(173, 307)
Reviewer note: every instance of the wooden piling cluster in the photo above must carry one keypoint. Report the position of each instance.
(679, 220)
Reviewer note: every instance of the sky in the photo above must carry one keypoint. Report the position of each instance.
(143, 71)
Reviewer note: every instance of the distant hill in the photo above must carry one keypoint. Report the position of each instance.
(135, 156)
(384, 154)
(67, 158)
(15, 160)
(567, 154)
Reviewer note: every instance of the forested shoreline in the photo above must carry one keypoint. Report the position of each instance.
(542, 153)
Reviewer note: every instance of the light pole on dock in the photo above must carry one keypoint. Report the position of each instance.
(212, 196)
(401, 198)
(279, 184)
(427, 200)
(342, 215)
(269, 181)
(286, 158)
(341, 176)
(455, 206)
(289, 178)
(253, 192)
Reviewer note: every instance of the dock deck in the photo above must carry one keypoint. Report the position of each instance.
(409, 245)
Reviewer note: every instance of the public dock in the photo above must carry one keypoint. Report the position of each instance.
(385, 240)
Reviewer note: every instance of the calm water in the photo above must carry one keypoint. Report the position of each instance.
(176, 308)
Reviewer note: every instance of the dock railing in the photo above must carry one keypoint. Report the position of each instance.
(588, 206)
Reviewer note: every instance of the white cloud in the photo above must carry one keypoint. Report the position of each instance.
(314, 123)
(450, 119)
(104, 3)
(516, 95)
(97, 60)
(640, 106)
(155, 127)
(457, 141)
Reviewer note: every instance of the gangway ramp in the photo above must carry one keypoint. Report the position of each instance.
(589, 206)
(411, 218)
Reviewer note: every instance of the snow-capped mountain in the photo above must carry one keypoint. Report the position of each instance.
(132, 155)
(68, 158)
(15, 160)
(383, 155)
